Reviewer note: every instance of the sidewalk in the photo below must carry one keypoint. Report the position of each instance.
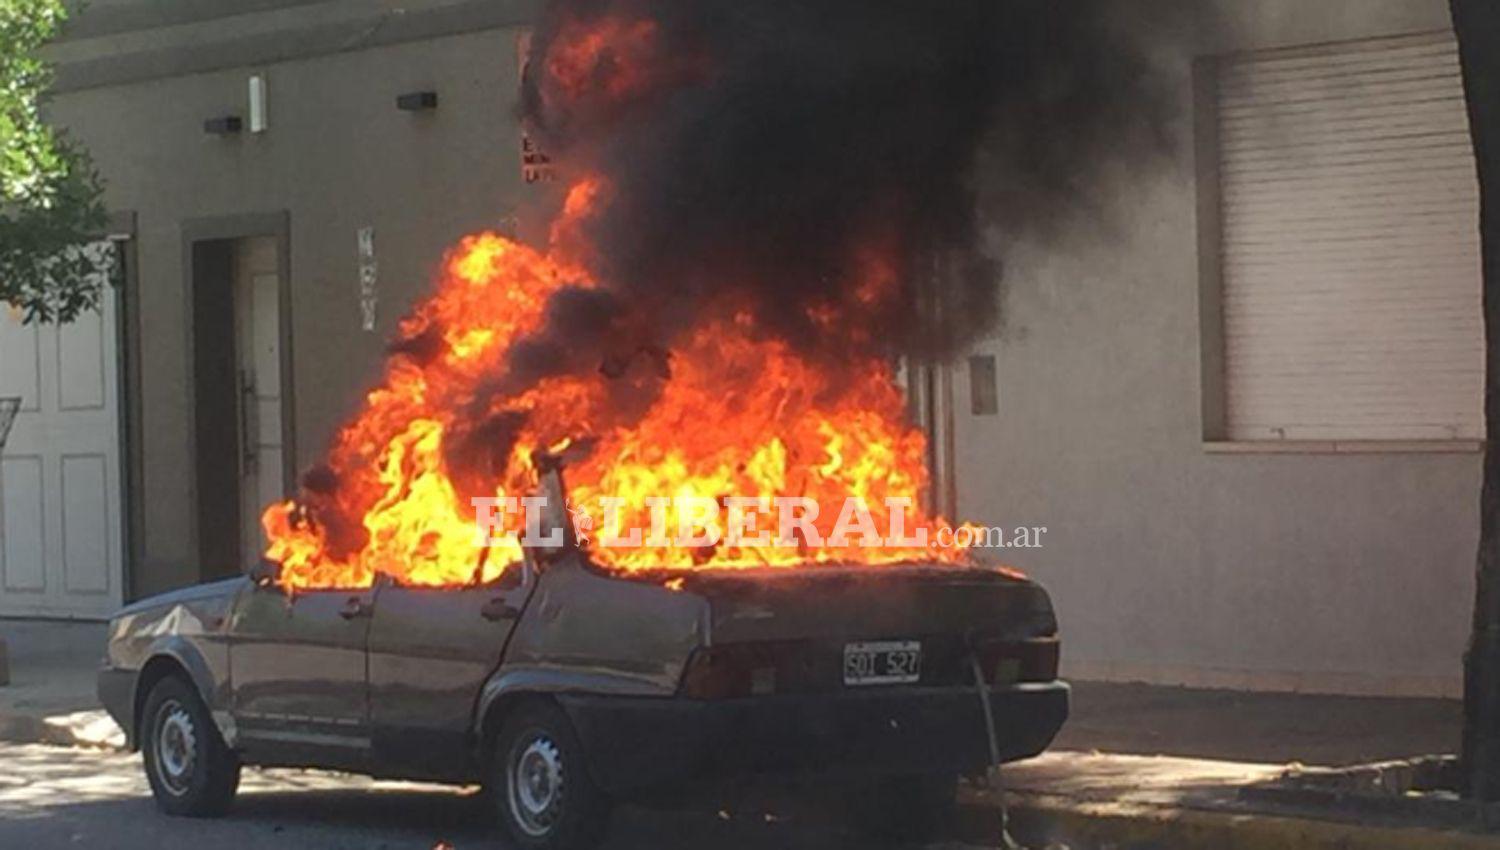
(1257, 727)
(1091, 801)
(50, 698)
(1139, 767)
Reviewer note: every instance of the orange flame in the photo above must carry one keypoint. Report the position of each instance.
(739, 416)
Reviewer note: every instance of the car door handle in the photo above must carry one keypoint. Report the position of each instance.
(355, 608)
(498, 609)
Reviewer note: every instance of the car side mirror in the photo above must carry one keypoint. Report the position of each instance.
(265, 573)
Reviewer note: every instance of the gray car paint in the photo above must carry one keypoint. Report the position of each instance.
(599, 633)
(298, 672)
(431, 652)
(579, 631)
(187, 626)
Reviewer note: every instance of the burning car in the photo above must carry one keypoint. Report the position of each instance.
(377, 637)
(563, 687)
(723, 326)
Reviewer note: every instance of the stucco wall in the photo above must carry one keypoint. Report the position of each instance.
(1170, 563)
(338, 156)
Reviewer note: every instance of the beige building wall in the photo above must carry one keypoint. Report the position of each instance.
(1173, 562)
(1169, 562)
(337, 156)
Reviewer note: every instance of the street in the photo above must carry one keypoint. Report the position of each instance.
(67, 797)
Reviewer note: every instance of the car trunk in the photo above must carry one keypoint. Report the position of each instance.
(864, 603)
(824, 629)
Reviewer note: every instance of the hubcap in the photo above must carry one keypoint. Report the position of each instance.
(176, 747)
(535, 784)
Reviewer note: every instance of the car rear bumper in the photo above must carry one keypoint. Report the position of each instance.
(116, 689)
(641, 744)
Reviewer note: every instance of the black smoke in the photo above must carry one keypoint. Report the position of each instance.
(759, 155)
(758, 150)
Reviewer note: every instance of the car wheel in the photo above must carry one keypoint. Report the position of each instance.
(191, 771)
(904, 809)
(541, 784)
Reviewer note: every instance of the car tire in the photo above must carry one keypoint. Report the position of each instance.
(540, 783)
(191, 770)
(906, 809)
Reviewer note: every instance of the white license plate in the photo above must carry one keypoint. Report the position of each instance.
(883, 662)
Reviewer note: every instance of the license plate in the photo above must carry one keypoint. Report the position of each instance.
(885, 662)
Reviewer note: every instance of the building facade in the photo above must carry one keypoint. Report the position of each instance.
(1247, 404)
(1215, 515)
(244, 228)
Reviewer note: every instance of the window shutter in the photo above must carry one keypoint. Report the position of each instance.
(1351, 259)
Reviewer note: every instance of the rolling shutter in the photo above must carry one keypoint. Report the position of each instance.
(1350, 250)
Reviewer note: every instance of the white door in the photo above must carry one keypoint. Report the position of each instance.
(257, 308)
(61, 552)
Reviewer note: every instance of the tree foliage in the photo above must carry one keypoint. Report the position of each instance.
(51, 197)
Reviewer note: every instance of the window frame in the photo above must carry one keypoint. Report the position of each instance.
(1213, 374)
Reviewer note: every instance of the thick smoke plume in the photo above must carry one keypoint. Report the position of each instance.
(765, 200)
(817, 162)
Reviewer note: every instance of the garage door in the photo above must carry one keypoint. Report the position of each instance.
(60, 535)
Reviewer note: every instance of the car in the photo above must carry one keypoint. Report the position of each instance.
(564, 688)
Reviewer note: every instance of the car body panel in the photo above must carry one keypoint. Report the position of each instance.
(198, 613)
(188, 626)
(413, 680)
(642, 747)
(599, 628)
(430, 654)
(299, 669)
(846, 603)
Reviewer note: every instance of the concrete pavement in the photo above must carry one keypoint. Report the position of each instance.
(52, 665)
(58, 797)
(50, 697)
(69, 797)
(1092, 800)
(1257, 727)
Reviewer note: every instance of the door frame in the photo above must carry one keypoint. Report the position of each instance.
(276, 225)
(121, 230)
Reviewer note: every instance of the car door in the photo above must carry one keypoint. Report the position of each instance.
(431, 651)
(298, 669)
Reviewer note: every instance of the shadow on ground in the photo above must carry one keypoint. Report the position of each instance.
(58, 797)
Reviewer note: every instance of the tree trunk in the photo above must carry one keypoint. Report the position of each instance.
(1477, 23)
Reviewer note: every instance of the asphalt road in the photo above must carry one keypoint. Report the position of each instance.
(54, 797)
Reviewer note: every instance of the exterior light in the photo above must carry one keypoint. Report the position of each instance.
(224, 125)
(257, 104)
(417, 101)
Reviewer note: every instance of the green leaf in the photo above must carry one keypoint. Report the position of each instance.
(51, 197)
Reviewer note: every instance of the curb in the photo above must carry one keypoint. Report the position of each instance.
(1041, 820)
(88, 729)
